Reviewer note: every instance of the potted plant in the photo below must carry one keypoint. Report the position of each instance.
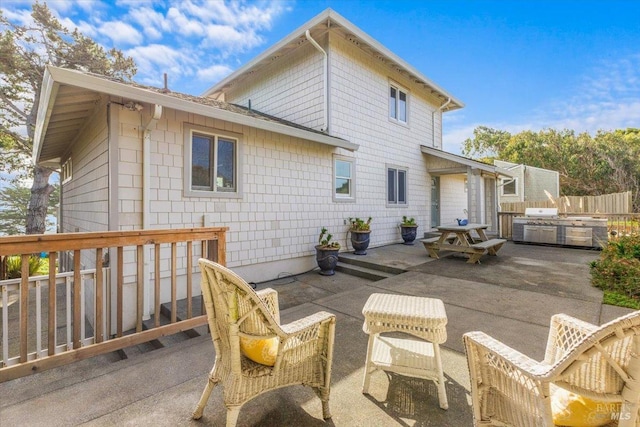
(408, 229)
(327, 253)
(360, 231)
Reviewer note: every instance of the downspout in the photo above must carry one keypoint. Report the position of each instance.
(433, 123)
(325, 77)
(146, 183)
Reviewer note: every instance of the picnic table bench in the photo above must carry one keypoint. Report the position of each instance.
(458, 238)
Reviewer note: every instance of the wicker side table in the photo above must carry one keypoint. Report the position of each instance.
(423, 318)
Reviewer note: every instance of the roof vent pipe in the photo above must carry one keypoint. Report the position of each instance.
(325, 125)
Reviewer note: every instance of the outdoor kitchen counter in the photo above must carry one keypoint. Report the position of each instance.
(460, 238)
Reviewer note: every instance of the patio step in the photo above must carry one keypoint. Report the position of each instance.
(358, 266)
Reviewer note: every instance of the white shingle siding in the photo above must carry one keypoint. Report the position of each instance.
(86, 194)
(291, 88)
(453, 198)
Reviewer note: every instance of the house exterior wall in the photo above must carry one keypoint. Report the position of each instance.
(537, 181)
(453, 198)
(532, 182)
(291, 88)
(85, 195)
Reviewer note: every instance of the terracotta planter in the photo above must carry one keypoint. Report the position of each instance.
(360, 241)
(408, 233)
(327, 259)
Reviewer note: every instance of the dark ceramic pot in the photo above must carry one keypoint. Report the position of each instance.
(408, 233)
(327, 259)
(360, 241)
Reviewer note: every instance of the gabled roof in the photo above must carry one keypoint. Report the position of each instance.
(464, 163)
(329, 20)
(68, 99)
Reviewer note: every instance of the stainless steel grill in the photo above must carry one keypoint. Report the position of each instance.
(544, 225)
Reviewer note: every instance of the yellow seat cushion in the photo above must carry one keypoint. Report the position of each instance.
(572, 410)
(263, 351)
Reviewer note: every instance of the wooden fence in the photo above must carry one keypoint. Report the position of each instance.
(63, 317)
(615, 203)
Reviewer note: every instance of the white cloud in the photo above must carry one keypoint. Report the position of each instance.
(121, 33)
(156, 59)
(184, 25)
(214, 73)
(153, 23)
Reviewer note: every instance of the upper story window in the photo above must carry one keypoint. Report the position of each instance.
(343, 172)
(396, 186)
(66, 171)
(397, 103)
(510, 187)
(211, 163)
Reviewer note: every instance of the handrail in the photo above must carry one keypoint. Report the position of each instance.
(81, 313)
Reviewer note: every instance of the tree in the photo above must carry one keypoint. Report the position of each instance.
(588, 165)
(25, 50)
(14, 200)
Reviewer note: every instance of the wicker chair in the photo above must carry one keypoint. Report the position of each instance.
(234, 310)
(598, 362)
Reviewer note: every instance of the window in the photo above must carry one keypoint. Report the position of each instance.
(66, 171)
(343, 172)
(396, 186)
(397, 104)
(510, 187)
(211, 162)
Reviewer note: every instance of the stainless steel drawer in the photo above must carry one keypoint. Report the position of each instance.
(579, 232)
(578, 240)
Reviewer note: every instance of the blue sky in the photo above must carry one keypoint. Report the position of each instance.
(515, 64)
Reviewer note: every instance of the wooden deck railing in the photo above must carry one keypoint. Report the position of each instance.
(617, 224)
(62, 317)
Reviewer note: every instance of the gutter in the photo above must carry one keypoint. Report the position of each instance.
(325, 78)
(433, 122)
(146, 183)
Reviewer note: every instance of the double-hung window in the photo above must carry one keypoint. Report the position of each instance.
(344, 176)
(396, 186)
(212, 162)
(397, 104)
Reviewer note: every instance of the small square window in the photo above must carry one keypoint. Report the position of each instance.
(509, 187)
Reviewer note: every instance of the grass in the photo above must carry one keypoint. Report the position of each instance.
(620, 300)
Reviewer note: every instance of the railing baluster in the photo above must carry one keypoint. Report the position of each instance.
(98, 325)
(189, 280)
(24, 308)
(5, 325)
(38, 287)
(67, 283)
(120, 284)
(139, 287)
(174, 279)
(77, 299)
(156, 287)
(51, 328)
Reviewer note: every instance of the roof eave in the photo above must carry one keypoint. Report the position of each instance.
(54, 77)
(332, 15)
(474, 164)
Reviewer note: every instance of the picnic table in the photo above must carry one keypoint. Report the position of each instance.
(469, 239)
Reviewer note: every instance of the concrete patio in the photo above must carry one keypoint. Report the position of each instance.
(511, 296)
